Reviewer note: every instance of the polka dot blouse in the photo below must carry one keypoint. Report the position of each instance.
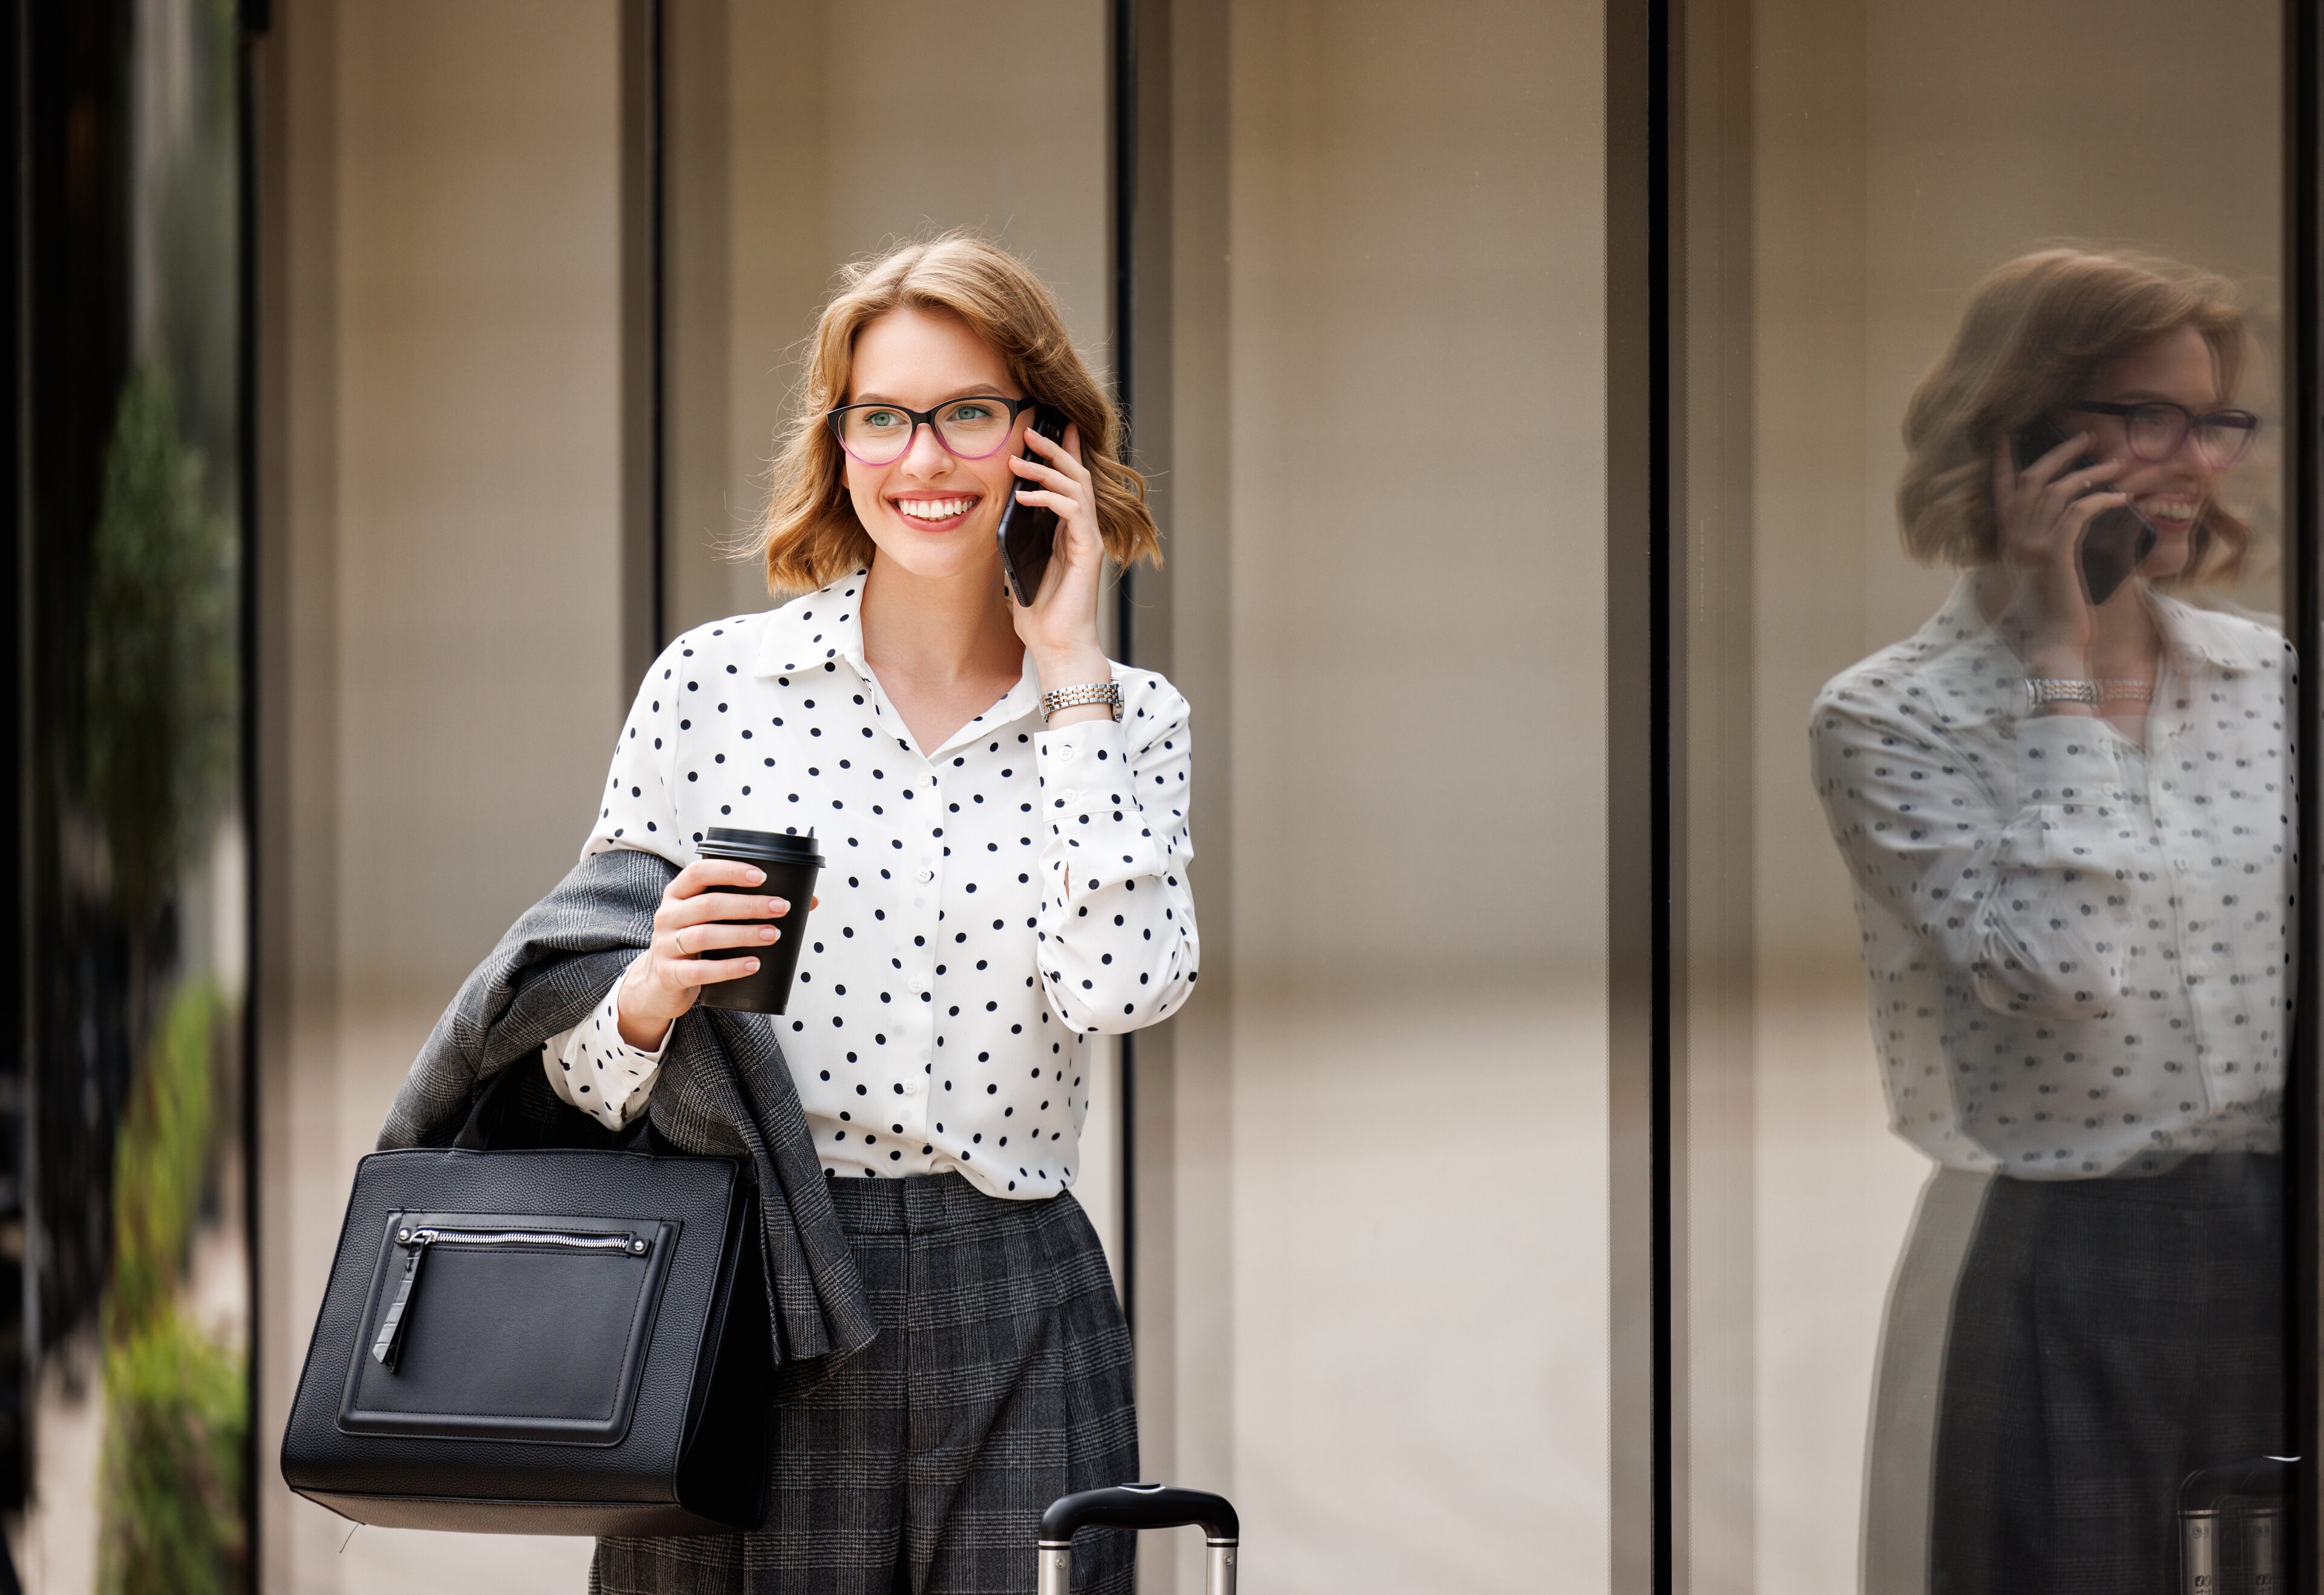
(2078, 948)
(987, 906)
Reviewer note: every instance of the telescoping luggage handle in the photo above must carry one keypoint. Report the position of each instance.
(1138, 1507)
(2249, 1495)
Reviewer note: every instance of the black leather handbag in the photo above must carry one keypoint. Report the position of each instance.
(539, 1340)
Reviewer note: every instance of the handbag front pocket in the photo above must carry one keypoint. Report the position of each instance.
(507, 1326)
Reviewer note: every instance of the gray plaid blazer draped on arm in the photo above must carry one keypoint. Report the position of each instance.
(724, 1089)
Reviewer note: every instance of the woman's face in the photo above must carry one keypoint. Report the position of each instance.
(2169, 492)
(929, 511)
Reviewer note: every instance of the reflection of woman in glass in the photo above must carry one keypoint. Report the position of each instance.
(2070, 825)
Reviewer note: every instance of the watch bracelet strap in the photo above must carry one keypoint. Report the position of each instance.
(2105, 689)
(1108, 692)
(2041, 691)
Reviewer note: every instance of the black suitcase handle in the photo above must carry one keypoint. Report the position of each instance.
(1139, 1507)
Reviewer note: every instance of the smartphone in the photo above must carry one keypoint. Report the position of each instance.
(1029, 531)
(2116, 542)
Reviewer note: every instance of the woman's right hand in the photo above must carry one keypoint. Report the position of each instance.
(2043, 512)
(664, 981)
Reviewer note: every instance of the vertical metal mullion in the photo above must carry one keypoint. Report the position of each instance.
(2303, 298)
(1663, 722)
(1642, 721)
(645, 314)
(657, 255)
(1121, 43)
(16, 937)
(252, 20)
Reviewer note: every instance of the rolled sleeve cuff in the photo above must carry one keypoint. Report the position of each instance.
(599, 1073)
(2074, 813)
(1098, 834)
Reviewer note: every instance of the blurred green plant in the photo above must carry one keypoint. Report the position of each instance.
(161, 1162)
(160, 671)
(156, 730)
(172, 1479)
(177, 1407)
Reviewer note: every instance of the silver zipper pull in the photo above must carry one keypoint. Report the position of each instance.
(389, 1342)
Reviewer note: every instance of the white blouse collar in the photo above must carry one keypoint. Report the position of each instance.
(814, 630)
(2198, 641)
(827, 626)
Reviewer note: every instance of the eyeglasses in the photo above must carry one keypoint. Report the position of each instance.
(2156, 428)
(968, 429)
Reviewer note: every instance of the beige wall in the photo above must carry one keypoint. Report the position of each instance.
(440, 640)
(1409, 1083)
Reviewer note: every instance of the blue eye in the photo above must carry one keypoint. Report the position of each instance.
(971, 412)
(880, 418)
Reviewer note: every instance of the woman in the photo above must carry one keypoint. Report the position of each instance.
(1003, 815)
(2068, 814)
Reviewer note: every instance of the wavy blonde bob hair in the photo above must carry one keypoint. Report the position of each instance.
(2037, 331)
(811, 535)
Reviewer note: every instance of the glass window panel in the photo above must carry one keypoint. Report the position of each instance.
(125, 1271)
(1413, 421)
(1985, 1004)
(441, 616)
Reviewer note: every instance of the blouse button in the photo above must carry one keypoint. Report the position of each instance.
(926, 876)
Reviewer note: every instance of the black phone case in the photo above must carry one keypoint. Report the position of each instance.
(1029, 531)
(2114, 544)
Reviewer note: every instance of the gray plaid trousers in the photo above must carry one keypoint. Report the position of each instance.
(999, 1379)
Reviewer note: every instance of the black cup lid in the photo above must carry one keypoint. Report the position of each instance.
(777, 847)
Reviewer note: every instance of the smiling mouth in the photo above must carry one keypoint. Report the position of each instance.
(935, 512)
(2169, 512)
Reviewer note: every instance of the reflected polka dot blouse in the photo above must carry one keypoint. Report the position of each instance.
(987, 906)
(2078, 945)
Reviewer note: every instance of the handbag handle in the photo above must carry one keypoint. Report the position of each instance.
(495, 1122)
(486, 1111)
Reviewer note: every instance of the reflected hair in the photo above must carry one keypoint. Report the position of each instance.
(811, 535)
(2038, 330)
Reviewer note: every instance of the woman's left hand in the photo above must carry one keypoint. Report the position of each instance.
(1059, 627)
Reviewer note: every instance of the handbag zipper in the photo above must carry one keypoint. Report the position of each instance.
(388, 1342)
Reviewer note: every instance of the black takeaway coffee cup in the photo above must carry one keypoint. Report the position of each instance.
(791, 863)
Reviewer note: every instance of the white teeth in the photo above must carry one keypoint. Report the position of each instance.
(933, 508)
(2171, 511)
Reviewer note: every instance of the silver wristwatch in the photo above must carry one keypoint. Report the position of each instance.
(1108, 692)
(2039, 691)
